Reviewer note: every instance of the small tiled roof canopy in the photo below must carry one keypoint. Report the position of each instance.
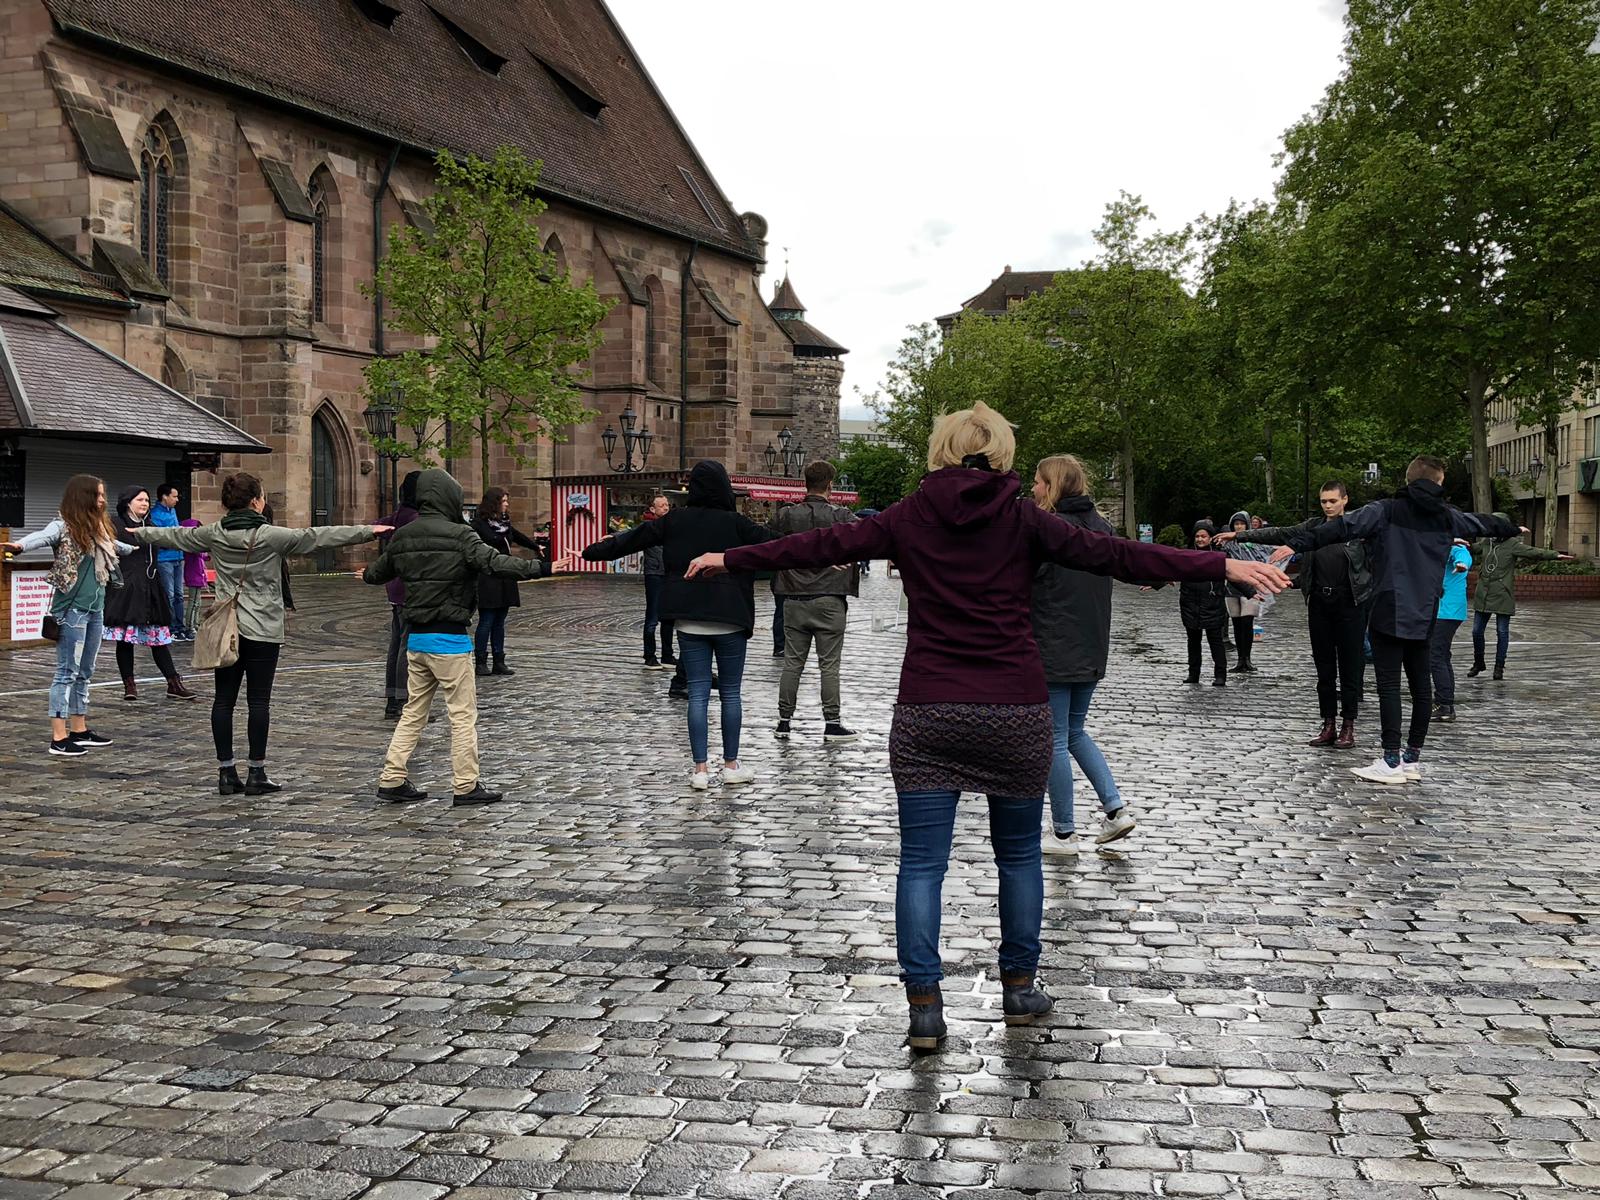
(556, 78)
(56, 383)
(809, 341)
(29, 259)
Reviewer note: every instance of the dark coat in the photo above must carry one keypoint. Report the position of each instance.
(1344, 567)
(140, 600)
(1497, 573)
(496, 591)
(814, 512)
(440, 560)
(706, 524)
(1072, 609)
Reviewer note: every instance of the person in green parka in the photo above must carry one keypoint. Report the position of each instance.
(1496, 560)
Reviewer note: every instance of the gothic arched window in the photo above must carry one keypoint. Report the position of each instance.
(157, 166)
(318, 195)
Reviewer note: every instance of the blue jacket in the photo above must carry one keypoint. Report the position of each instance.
(1453, 604)
(1410, 536)
(163, 517)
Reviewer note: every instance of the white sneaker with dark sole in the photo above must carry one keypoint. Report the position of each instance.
(1381, 772)
(1114, 826)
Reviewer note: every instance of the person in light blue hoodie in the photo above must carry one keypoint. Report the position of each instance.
(1452, 612)
(169, 563)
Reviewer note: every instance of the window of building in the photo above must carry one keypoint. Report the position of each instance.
(474, 42)
(157, 166)
(654, 339)
(317, 193)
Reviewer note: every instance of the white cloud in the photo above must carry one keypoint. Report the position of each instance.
(905, 152)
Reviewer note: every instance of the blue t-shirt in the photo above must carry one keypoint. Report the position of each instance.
(1453, 604)
(163, 517)
(439, 643)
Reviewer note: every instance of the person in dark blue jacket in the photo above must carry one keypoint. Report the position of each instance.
(1411, 534)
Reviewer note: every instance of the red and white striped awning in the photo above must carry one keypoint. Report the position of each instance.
(767, 487)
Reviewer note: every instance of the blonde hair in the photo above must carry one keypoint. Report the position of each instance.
(975, 430)
(1063, 475)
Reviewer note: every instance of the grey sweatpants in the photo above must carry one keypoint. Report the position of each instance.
(822, 619)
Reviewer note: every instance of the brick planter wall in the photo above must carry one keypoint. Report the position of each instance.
(1549, 587)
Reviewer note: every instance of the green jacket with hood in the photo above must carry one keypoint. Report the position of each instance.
(1496, 561)
(439, 558)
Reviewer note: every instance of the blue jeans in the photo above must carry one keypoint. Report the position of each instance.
(75, 655)
(491, 628)
(696, 650)
(927, 826)
(1069, 706)
(1502, 630)
(171, 574)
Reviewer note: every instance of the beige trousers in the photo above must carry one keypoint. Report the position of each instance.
(453, 675)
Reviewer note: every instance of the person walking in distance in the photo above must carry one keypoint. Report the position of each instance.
(815, 605)
(248, 553)
(973, 713)
(441, 560)
(1452, 612)
(1336, 581)
(653, 567)
(1072, 625)
(497, 594)
(84, 565)
(138, 613)
(1496, 594)
(169, 563)
(1412, 533)
(394, 662)
(712, 622)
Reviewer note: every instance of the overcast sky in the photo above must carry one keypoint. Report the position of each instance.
(905, 151)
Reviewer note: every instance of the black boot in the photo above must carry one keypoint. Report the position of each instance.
(257, 784)
(482, 661)
(927, 1017)
(651, 662)
(500, 667)
(1499, 670)
(228, 781)
(1243, 637)
(1023, 1000)
(1478, 668)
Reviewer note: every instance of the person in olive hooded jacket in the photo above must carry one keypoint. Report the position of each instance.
(439, 558)
(1496, 594)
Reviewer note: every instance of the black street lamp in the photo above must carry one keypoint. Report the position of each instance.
(1536, 469)
(793, 451)
(771, 455)
(380, 417)
(633, 441)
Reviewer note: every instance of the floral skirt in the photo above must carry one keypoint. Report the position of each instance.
(138, 635)
(990, 749)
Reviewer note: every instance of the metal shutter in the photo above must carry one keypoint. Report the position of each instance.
(51, 463)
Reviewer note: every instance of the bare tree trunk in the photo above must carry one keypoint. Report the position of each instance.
(1552, 480)
(1272, 470)
(1477, 389)
(1130, 516)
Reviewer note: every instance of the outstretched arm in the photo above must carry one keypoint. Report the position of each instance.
(1477, 525)
(486, 560)
(192, 539)
(629, 541)
(1270, 535)
(521, 539)
(1367, 521)
(831, 546)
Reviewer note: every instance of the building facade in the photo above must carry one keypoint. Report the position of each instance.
(232, 170)
(1522, 457)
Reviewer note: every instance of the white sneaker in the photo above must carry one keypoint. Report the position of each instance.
(1381, 772)
(1412, 771)
(699, 780)
(1064, 847)
(1115, 825)
(739, 774)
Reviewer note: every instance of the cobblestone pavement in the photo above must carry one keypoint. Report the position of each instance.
(1287, 984)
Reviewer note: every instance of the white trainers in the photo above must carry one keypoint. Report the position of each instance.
(1381, 772)
(1115, 825)
(739, 774)
(1412, 771)
(699, 780)
(1056, 844)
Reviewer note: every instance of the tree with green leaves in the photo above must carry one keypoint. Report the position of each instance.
(881, 473)
(501, 327)
(1449, 185)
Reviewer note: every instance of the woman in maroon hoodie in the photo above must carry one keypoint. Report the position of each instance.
(973, 713)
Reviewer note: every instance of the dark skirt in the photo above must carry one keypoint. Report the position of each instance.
(990, 749)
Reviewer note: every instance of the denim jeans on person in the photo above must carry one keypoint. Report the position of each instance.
(491, 631)
(1069, 709)
(927, 827)
(1444, 671)
(1502, 630)
(172, 586)
(697, 650)
(394, 662)
(75, 655)
(256, 667)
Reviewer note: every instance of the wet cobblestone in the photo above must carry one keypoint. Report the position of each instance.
(1286, 985)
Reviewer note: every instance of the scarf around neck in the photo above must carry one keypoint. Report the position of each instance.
(500, 525)
(243, 518)
(63, 574)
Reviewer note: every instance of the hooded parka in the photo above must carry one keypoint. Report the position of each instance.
(1497, 559)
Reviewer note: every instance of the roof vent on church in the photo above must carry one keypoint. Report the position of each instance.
(377, 12)
(584, 95)
(700, 195)
(472, 39)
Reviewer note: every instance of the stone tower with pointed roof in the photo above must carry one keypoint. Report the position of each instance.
(818, 375)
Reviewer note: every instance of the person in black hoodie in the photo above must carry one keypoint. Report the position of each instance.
(1412, 534)
(1072, 624)
(497, 594)
(137, 613)
(714, 620)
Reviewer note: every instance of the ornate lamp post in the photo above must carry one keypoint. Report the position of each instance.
(380, 417)
(771, 455)
(793, 451)
(634, 441)
(1536, 469)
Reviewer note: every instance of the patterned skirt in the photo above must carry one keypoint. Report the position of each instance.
(138, 635)
(990, 749)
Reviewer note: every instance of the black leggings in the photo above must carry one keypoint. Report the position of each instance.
(256, 666)
(1219, 657)
(1390, 656)
(161, 654)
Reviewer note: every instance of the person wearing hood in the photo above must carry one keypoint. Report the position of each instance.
(973, 712)
(394, 662)
(1243, 606)
(439, 559)
(1412, 533)
(1496, 593)
(1337, 583)
(1452, 612)
(497, 595)
(711, 622)
(137, 614)
(1072, 624)
(248, 552)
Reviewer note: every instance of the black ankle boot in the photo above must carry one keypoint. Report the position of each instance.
(228, 781)
(257, 784)
(1499, 671)
(1023, 999)
(927, 1017)
(1478, 668)
(500, 667)
(482, 665)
